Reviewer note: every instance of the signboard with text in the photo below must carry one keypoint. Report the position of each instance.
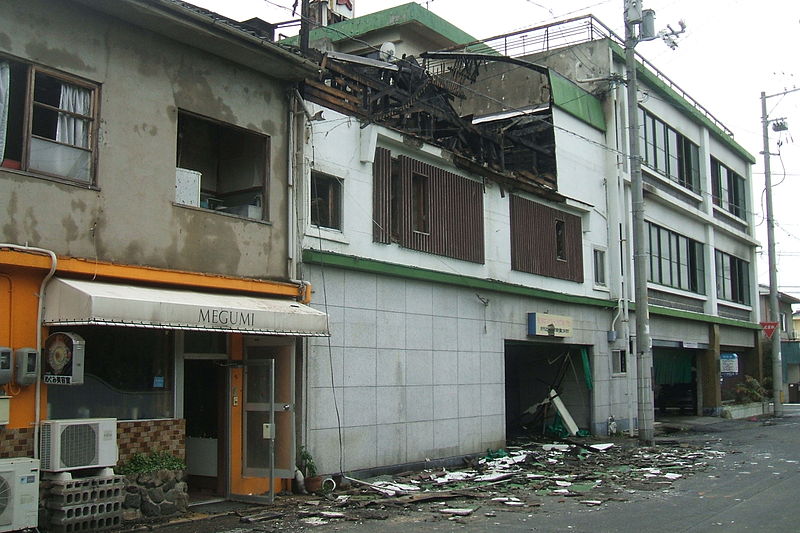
(729, 364)
(545, 324)
(63, 359)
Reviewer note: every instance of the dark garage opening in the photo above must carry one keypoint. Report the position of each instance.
(531, 371)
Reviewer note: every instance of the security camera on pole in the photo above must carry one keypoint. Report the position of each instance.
(639, 26)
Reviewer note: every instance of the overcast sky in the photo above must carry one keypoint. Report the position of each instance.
(731, 51)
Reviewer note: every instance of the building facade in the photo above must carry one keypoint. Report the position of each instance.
(463, 287)
(145, 182)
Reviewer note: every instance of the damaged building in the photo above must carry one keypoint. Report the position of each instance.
(467, 211)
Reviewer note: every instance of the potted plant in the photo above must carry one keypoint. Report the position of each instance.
(306, 466)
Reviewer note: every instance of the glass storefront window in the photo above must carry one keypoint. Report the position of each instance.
(129, 374)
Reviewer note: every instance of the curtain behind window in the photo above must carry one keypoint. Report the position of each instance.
(70, 129)
(5, 83)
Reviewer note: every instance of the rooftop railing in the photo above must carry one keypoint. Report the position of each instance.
(557, 35)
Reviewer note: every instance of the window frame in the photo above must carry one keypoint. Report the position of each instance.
(420, 203)
(619, 361)
(666, 265)
(335, 186)
(733, 278)
(657, 140)
(263, 189)
(600, 268)
(26, 134)
(728, 189)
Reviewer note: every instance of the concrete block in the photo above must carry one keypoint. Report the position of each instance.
(445, 367)
(419, 367)
(360, 290)
(359, 406)
(360, 367)
(445, 402)
(419, 332)
(445, 333)
(391, 294)
(390, 329)
(391, 367)
(419, 403)
(419, 298)
(359, 328)
(391, 405)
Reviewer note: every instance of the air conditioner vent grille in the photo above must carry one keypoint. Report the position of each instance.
(79, 445)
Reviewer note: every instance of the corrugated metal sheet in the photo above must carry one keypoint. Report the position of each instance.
(533, 241)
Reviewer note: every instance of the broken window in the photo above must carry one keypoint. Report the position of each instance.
(229, 166)
(556, 253)
(728, 189)
(668, 152)
(420, 203)
(49, 122)
(326, 201)
(619, 363)
(675, 261)
(733, 278)
(561, 244)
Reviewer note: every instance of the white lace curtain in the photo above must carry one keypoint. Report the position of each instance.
(5, 80)
(74, 130)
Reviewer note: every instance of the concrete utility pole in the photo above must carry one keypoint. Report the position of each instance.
(774, 311)
(644, 350)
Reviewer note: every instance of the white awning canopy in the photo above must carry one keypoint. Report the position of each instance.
(74, 302)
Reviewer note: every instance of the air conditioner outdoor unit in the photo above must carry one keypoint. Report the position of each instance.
(78, 443)
(19, 493)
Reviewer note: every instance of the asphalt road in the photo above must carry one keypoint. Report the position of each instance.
(755, 486)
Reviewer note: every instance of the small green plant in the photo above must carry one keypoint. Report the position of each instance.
(142, 463)
(750, 391)
(305, 463)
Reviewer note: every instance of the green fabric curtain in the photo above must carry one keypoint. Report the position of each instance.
(672, 367)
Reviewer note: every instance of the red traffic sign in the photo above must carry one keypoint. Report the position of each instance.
(769, 328)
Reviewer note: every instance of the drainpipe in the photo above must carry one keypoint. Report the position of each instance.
(39, 315)
(291, 246)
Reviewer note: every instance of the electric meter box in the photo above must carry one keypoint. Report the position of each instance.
(27, 363)
(6, 371)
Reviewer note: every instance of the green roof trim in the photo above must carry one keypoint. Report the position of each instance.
(700, 317)
(394, 16)
(667, 92)
(579, 103)
(373, 266)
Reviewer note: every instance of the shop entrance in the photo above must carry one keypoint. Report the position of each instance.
(205, 378)
(532, 370)
(268, 416)
(675, 381)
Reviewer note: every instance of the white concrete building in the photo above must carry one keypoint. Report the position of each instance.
(435, 264)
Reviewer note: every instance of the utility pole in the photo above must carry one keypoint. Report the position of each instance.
(774, 312)
(644, 351)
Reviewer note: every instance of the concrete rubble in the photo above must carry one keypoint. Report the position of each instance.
(521, 477)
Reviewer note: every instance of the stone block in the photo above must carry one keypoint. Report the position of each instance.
(132, 501)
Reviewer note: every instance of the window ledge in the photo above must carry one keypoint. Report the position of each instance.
(655, 174)
(601, 288)
(326, 234)
(222, 213)
(728, 215)
(54, 179)
(734, 305)
(677, 292)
